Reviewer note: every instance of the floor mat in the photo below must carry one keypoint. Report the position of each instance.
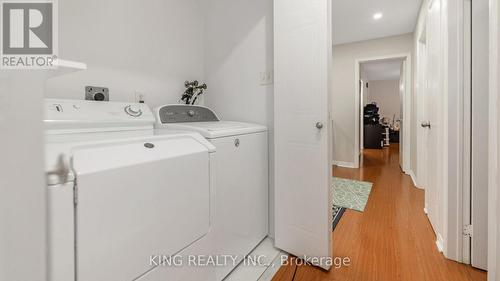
(351, 194)
(337, 214)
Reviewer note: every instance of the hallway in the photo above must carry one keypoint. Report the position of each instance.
(392, 239)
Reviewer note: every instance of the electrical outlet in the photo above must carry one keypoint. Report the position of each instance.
(140, 97)
(266, 78)
(96, 93)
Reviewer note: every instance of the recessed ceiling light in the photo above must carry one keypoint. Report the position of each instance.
(377, 16)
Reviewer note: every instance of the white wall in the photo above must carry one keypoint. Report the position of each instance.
(239, 46)
(343, 94)
(386, 94)
(23, 198)
(147, 46)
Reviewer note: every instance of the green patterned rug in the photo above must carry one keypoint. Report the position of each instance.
(351, 194)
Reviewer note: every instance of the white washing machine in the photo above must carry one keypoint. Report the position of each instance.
(241, 177)
(120, 192)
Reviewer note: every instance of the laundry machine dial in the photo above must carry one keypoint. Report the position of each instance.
(133, 111)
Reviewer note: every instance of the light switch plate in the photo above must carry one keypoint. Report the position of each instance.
(140, 97)
(266, 78)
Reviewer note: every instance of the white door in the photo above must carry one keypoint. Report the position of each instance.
(303, 204)
(421, 106)
(433, 102)
(480, 121)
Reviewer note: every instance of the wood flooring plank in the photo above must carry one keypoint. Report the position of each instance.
(392, 239)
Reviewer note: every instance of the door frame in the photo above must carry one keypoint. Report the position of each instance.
(479, 128)
(407, 102)
(361, 115)
(459, 210)
(455, 177)
(494, 143)
(467, 129)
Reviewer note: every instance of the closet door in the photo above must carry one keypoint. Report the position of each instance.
(433, 120)
(303, 51)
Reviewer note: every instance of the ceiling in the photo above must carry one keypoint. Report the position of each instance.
(353, 19)
(382, 69)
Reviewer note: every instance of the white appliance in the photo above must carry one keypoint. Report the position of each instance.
(120, 192)
(241, 176)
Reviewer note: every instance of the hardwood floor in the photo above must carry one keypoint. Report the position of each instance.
(392, 239)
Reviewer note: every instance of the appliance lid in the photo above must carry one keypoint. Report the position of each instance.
(218, 129)
(202, 120)
(127, 152)
(218, 126)
(61, 151)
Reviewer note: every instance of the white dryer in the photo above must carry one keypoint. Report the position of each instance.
(119, 192)
(241, 177)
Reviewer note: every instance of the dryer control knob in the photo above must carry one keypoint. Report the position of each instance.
(133, 111)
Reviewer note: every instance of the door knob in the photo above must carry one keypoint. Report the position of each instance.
(319, 125)
(426, 125)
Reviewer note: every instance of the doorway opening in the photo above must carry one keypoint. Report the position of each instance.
(382, 106)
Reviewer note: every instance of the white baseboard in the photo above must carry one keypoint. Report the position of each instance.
(343, 164)
(414, 179)
(273, 268)
(440, 243)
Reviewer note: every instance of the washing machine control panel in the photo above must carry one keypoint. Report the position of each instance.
(186, 113)
(60, 113)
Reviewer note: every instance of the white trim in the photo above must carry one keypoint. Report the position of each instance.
(494, 145)
(406, 106)
(273, 268)
(343, 164)
(439, 243)
(466, 144)
(407, 113)
(453, 142)
(361, 115)
(414, 179)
